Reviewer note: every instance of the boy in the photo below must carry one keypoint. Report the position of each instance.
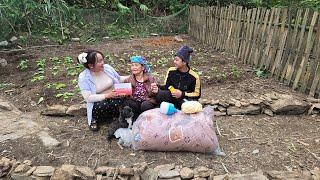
(185, 82)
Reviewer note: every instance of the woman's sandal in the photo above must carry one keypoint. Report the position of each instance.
(94, 126)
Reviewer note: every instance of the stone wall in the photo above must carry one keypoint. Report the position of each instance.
(12, 169)
(269, 104)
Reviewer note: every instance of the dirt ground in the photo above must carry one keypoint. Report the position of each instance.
(250, 142)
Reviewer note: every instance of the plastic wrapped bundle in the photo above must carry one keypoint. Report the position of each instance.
(125, 136)
(178, 132)
(191, 107)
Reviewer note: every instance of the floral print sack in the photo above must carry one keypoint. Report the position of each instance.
(178, 132)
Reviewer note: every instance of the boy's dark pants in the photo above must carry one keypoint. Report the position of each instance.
(165, 96)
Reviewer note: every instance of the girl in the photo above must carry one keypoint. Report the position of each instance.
(142, 98)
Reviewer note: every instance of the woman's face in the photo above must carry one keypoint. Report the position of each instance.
(136, 68)
(178, 62)
(99, 63)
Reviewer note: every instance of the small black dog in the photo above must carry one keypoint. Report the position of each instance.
(123, 121)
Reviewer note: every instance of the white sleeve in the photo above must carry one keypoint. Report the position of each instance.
(88, 97)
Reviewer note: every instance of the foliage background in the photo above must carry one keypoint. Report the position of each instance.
(94, 19)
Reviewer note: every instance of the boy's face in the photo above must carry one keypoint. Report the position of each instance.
(178, 62)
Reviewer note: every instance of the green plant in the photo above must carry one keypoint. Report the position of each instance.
(41, 64)
(77, 89)
(68, 60)
(236, 72)
(74, 81)
(222, 76)
(38, 76)
(214, 70)
(6, 85)
(48, 85)
(261, 73)
(23, 64)
(315, 4)
(65, 95)
(56, 66)
(55, 70)
(59, 86)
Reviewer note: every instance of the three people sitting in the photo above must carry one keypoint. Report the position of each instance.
(97, 80)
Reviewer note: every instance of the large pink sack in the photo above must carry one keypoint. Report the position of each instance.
(177, 132)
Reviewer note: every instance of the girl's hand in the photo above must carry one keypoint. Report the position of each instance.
(154, 88)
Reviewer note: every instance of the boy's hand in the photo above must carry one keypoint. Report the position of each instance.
(177, 94)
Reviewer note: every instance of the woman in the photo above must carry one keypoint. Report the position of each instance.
(96, 86)
(142, 98)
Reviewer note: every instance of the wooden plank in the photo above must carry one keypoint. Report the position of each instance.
(291, 46)
(238, 31)
(292, 66)
(229, 26)
(316, 78)
(314, 58)
(221, 26)
(216, 26)
(313, 78)
(246, 37)
(307, 52)
(307, 77)
(277, 63)
(209, 26)
(232, 28)
(194, 18)
(280, 51)
(211, 19)
(203, 19)
(204, 25)
(262, 39)
(274, 40)
(212, 34)
(249, 43)
(195, 26)
(225, 28)
(268, 41)
(235, 30)
(199, 23)
(281, 62)
(221, 20)
(242, 31)
(254, 36)
(207, 31)
(191, 20)
(259, 36)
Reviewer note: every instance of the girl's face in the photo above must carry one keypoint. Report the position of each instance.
(178, 62)
(98, 65)
(136, 68)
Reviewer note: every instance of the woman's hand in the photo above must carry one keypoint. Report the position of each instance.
(154, 88)
(177, 94)
(110, 94)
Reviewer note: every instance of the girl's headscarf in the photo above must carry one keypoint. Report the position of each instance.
(141, 60)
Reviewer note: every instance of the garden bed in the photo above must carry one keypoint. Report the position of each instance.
(251, 142)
